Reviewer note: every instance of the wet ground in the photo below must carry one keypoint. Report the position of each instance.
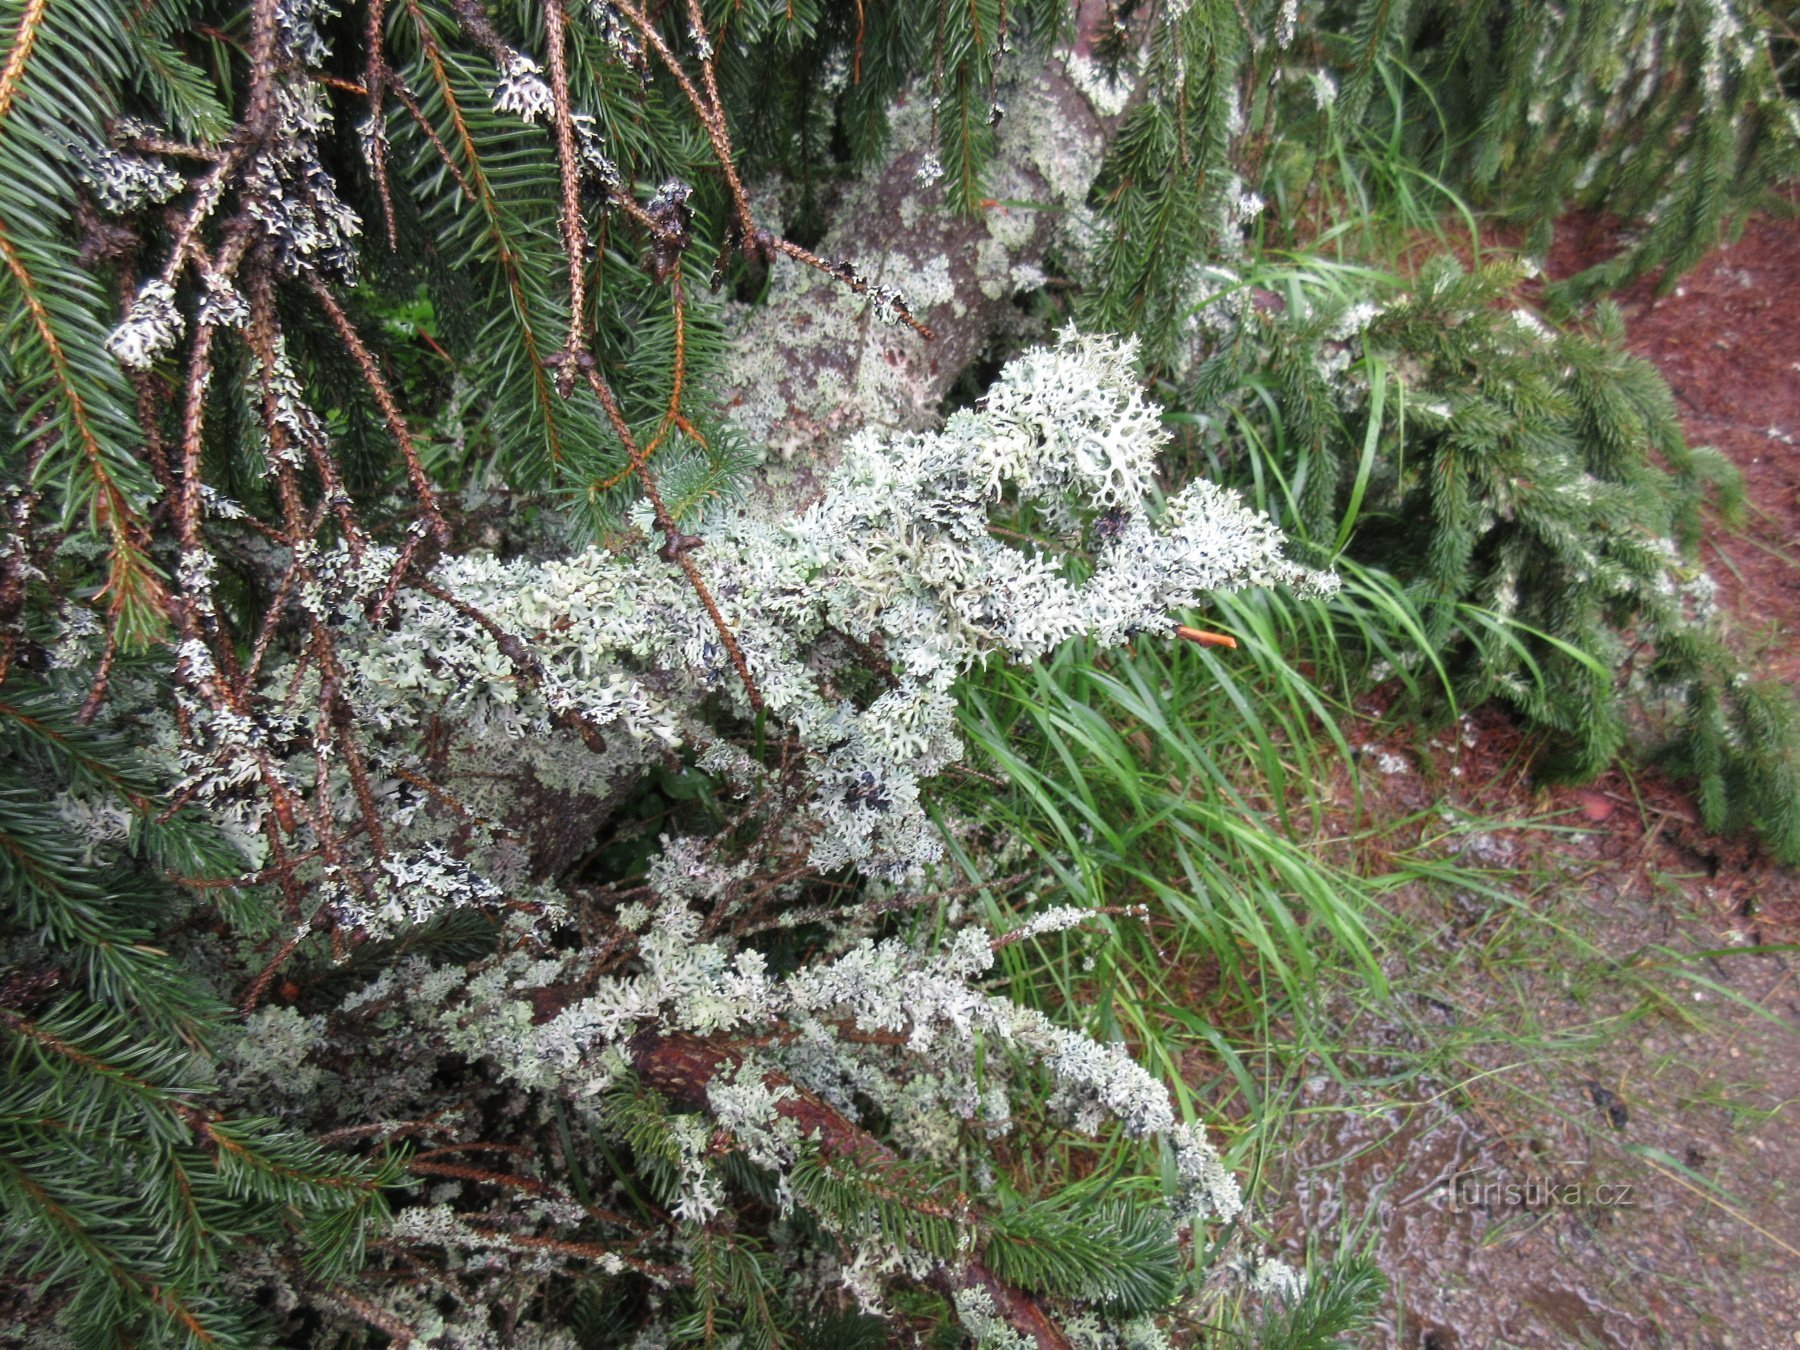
(1572, 1123)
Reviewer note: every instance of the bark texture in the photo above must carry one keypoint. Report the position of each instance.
(812, 363)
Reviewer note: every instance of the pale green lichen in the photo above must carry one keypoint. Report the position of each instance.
(896, 553)
(1107, 93)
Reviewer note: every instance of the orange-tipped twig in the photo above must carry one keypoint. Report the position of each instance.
(1200, 637)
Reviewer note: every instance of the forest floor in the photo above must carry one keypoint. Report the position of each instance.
(1572, 1120)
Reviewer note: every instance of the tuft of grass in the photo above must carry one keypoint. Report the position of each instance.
(1167, 778)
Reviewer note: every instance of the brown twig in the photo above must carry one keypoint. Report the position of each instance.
(672, 415)
(264, 338)
(259, 986)
(375, 81)
(848, 275)
(710, 113)
(398, 88)
(574, 232)
(31, 18)
(384, 399)
(401, 1333)
(581, 1251)
(523, 659)
(90, 706)
(676, 546)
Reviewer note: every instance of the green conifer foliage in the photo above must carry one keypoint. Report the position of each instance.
(1674, 113)
(127, 1193)
(1538, 499)
(1169, 176)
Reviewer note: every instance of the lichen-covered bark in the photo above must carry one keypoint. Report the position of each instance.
(812, 363)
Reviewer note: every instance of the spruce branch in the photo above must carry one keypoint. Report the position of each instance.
(508, 254)
(24, 42)
(682, 1067)
(133, 591)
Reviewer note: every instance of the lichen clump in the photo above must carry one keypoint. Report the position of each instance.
(895, 568)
